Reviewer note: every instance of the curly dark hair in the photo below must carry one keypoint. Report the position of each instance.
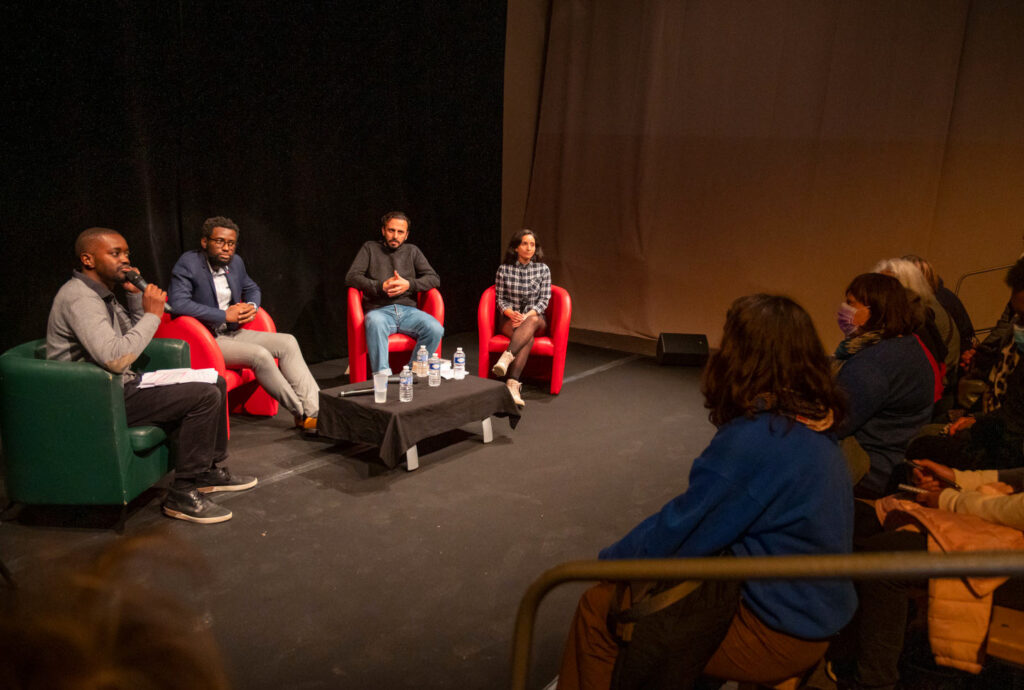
(770, 350)
(510, 252)
(892, 312)
(219, 222)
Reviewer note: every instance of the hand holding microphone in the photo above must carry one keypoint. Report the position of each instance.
(154, 300)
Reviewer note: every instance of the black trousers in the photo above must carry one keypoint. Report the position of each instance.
(195, 417)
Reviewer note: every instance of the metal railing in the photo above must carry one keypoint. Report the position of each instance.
(860, 566)
(960, 280)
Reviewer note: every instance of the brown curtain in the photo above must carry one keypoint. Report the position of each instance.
(689, 152)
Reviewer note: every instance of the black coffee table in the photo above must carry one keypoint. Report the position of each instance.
(395, 427)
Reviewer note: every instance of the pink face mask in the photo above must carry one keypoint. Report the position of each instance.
(844, 317)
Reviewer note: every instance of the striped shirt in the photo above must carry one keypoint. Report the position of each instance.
(522, 288)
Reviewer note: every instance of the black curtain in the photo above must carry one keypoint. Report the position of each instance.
(303, 122)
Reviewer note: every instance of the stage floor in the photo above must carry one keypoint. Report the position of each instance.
(338, 573)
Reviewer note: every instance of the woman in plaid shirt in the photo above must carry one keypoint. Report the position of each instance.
(523, 289)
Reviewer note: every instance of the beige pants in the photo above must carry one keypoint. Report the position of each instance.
(291, 385)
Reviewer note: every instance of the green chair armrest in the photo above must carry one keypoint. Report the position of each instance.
(163, 353)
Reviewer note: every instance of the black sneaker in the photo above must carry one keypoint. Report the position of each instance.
(219, 479)
(194, 507)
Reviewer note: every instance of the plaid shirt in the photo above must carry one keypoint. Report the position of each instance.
(522, 288)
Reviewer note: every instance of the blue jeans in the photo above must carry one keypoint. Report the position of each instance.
(398, 318)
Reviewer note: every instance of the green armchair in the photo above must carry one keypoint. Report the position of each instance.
(65, 439)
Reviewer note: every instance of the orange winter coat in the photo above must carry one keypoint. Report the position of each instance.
(959, 609)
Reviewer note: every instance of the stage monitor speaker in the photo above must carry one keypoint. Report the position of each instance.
(686, 349)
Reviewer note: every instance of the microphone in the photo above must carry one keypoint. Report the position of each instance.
(394, 378)
(138, 281)
(357, 391)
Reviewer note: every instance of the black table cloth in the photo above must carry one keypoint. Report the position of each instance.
(397, 426)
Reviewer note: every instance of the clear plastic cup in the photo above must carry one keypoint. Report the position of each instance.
(380, 387)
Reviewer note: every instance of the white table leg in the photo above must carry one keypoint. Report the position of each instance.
(412, 459)
(488, 430)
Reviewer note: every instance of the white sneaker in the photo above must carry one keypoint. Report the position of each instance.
(514, 388)
(501, 366)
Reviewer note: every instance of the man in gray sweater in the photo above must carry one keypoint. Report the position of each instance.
(87, 323)
(390, 272)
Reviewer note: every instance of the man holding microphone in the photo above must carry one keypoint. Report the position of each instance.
(88, 323)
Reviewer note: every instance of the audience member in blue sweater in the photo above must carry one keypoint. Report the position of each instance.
(772, 482)
(886, 374)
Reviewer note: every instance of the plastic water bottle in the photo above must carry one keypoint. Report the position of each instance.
(405, 385)
(421, 362)
(459, 365)
(435, 372)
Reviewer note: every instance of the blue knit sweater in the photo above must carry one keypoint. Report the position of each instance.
(764, 486)
(891, 388)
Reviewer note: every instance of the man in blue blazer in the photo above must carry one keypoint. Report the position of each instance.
(211, 285)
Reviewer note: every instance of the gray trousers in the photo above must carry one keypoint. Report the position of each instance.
(292, 385)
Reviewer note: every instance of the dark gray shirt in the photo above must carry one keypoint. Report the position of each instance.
(376, 262)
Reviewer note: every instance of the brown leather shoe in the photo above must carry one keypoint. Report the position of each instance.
(307, 425)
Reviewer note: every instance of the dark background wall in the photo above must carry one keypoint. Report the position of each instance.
(304, 122)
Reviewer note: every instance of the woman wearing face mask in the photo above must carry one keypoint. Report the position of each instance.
(886, 374)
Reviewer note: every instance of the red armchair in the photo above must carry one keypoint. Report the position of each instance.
(244, 393)
(547, 357)
(399, 345)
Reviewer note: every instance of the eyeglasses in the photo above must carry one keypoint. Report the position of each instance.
(221, 242)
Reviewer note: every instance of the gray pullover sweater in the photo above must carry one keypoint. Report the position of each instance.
(87, 324)
(376, 262)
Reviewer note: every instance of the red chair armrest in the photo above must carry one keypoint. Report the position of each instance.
(559, 314)
(356, 336)
(202, 347)
(262, 322)
(431, 302)
(485, 329)
(355, 311)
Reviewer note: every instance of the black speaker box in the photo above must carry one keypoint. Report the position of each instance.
(686, 349)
